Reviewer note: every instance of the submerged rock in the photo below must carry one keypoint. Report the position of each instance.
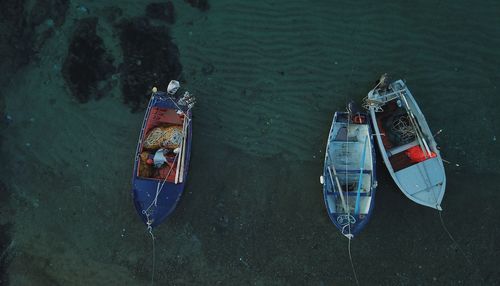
(161, 11)
(200, 4)
(112, 13)
(6, 246)
(15, 34)
(25, 28)
(87, 63)
(55, 10)
(44, 18)
(150, 58)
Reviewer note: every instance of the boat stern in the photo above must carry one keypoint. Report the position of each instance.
(154, 206)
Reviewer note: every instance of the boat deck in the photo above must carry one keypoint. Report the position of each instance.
(344, 154)
(159, 117)
(395, 150)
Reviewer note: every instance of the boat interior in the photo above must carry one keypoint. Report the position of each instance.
(349, 185)
(397, 133)
(159, 117)
(345, 151)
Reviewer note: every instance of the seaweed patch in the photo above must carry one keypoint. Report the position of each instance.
(6, 245)
(150, 58)
(200, 4)
(87, 63)
(161, 11)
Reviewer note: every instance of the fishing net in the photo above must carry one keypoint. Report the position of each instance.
(163, 137)
(403, 129)
(145, 169)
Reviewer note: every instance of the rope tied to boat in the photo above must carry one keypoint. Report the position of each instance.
(352, 263)
(368, 103)
(349, 235)
(159, 187)
(472, 266)
(150, 230)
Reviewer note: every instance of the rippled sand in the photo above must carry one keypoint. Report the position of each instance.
(268, 76)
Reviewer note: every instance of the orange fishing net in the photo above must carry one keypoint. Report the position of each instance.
(163, 137)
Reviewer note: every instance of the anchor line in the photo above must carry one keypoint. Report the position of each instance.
(349, 235)
(476, 270)
(150, 230)
(352, 264)
(440, 210)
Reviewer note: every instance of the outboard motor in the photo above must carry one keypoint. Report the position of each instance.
(353, 107)
(173, 86)
(355, 113)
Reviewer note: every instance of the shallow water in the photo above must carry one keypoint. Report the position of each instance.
(268, 76)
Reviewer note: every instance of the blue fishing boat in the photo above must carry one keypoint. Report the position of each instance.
(349, 178)
(162, 155)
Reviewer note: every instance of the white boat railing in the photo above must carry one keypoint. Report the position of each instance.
(416, 126)
(384, 98)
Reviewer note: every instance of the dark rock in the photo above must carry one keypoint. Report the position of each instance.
(23, 31)
(4, 193)
(45, 16)
(200, 4)
(15, 35)
(54, 10)
(223, 222)
(161, 11)
(5, 245)
(83, 10)
(150, 58)
(112, 13)
(87, 62)
(207, 69)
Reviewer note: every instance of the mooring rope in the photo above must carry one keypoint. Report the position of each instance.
(352, 264)
(453, 239)
(349, 236)
(472, 266)
(439, 210)
(150, 229)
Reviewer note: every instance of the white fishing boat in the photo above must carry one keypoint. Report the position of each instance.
(406, 143)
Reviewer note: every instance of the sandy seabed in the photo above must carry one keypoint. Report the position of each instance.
(268, 76)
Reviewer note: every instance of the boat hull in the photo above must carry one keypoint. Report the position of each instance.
(155, 199)
(349, 162)
(422, 182)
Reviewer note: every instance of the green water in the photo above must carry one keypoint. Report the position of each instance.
(268, 76)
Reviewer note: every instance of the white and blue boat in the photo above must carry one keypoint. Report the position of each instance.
(349, 177)
(406, 143)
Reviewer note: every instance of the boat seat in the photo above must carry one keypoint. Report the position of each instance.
(161, 116)
(342, 134)
(343, 171)
(401, 148)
